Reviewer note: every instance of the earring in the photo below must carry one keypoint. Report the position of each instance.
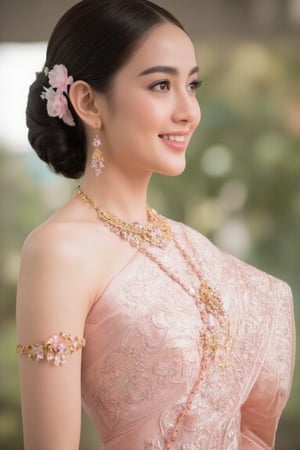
(97, 158)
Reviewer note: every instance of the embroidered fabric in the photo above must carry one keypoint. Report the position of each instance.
(142, 354)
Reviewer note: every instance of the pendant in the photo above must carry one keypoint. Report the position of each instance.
(211, 298)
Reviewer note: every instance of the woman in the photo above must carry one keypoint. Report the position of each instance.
(168, 342)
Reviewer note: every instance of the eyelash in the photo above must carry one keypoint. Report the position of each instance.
(196, 84)
(166, 83)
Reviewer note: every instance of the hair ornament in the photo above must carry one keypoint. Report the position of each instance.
(57, 103)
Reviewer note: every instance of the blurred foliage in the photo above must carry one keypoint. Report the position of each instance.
(241, 189)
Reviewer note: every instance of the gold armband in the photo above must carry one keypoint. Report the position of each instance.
(55, 350)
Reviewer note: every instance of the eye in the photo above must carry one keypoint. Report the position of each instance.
(161, 86)
(194, 85)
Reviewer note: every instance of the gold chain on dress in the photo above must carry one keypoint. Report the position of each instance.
(215, 333)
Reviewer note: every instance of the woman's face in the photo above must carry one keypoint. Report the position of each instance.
(152, 110)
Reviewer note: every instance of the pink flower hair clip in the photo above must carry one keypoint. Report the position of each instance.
(57, 104)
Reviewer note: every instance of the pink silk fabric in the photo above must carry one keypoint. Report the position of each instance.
(142, 354)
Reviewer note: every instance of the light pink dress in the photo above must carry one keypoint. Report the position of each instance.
(142, 354)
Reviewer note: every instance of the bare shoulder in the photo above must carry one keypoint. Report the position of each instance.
(55, 248)
(66, 261)
(70, 253)
(58, 240)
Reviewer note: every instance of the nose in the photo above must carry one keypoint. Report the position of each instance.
(186, 109)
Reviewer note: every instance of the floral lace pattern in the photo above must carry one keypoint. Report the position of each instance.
(142, 355)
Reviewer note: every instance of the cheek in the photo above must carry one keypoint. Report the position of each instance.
(147, 112)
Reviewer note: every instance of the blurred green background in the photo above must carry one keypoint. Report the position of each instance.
(241, 187)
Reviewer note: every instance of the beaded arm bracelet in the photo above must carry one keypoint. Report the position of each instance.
(55, 350)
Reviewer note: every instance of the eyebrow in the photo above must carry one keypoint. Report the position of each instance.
(166, 69)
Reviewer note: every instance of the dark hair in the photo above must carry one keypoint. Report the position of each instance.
(93, 39)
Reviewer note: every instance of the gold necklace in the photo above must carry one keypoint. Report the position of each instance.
(214, 336)
(215, 331)
(156, 232)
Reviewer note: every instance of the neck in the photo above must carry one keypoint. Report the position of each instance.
(125, 196)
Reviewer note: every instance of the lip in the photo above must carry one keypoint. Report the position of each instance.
(173, 143)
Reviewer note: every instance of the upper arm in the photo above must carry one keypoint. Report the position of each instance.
(52, 297)
(264, 405)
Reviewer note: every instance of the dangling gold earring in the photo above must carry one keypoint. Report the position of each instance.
(97, 158)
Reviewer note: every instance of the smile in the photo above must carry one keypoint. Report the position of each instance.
(173, 138)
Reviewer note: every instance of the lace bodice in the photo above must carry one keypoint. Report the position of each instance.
(142, 354)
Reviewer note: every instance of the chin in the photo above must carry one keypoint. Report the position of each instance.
(172, 170)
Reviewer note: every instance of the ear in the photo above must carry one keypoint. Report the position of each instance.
(86, 104)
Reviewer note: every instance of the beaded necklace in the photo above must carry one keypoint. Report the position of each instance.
(215, 331)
